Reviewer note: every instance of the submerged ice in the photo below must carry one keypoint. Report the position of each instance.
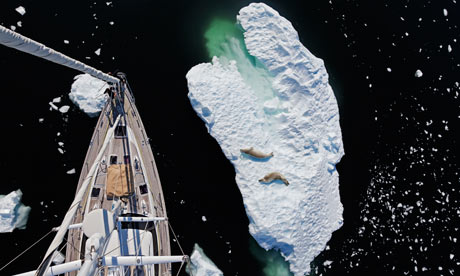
(13, 214)
(87, 93)
(264, 89)
(201, 265)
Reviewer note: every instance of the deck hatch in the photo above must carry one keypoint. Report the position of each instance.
(120, 131)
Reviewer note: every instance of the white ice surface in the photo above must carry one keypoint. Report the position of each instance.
(53, 106)
(201, 265)
(21, 10)
(13, 214)
(64, 108)
(71, 171)
(87, 93)
(299, 122)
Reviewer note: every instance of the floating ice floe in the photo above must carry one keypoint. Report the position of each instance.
(72, 171)
(64, 109)
(201, 265)
(276, 98)
(98, 51)
(13, 214)
(21, 10)
(58, 257)
(53, 106)
(418, 73)
(57, 100)
(87, 93)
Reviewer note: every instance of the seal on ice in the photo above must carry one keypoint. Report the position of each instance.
(274, 176)
(255, 153)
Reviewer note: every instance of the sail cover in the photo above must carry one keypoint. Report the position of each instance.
(117, 180)
(24, 44)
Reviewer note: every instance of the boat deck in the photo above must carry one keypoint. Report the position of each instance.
(127, 172)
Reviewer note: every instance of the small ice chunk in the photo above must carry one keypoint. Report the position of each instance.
(53, 106)
(449, 48)
(98, 51)
(87, 93)
(203, 218)
(64, 108)
(58, 257)
(61, 152)
(57, 100)
(108, 3)
(58, 134)
(13, 214)
(444, 11)
(111, 22)
(12, 27)
(19, 23)
(418, 73)
(66, 41)
(21, 10)
(388, 69)
(40, 120)
(327, 263)
(72, 171)
(60, 144)
(201, 265)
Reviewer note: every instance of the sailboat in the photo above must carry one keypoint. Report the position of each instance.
(117, 223)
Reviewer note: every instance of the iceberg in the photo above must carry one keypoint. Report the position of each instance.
(264, 89)
(13, 214)
(87, 93)
(201, 265)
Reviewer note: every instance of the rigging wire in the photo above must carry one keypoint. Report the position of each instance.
(181, 264)
(68, 242)
(180, 247)
(175, 237)
(27, 249)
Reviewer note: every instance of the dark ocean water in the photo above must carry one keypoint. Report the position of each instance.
(398, 179)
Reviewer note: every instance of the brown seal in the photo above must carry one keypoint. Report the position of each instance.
(274, 176)
(255, 153)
